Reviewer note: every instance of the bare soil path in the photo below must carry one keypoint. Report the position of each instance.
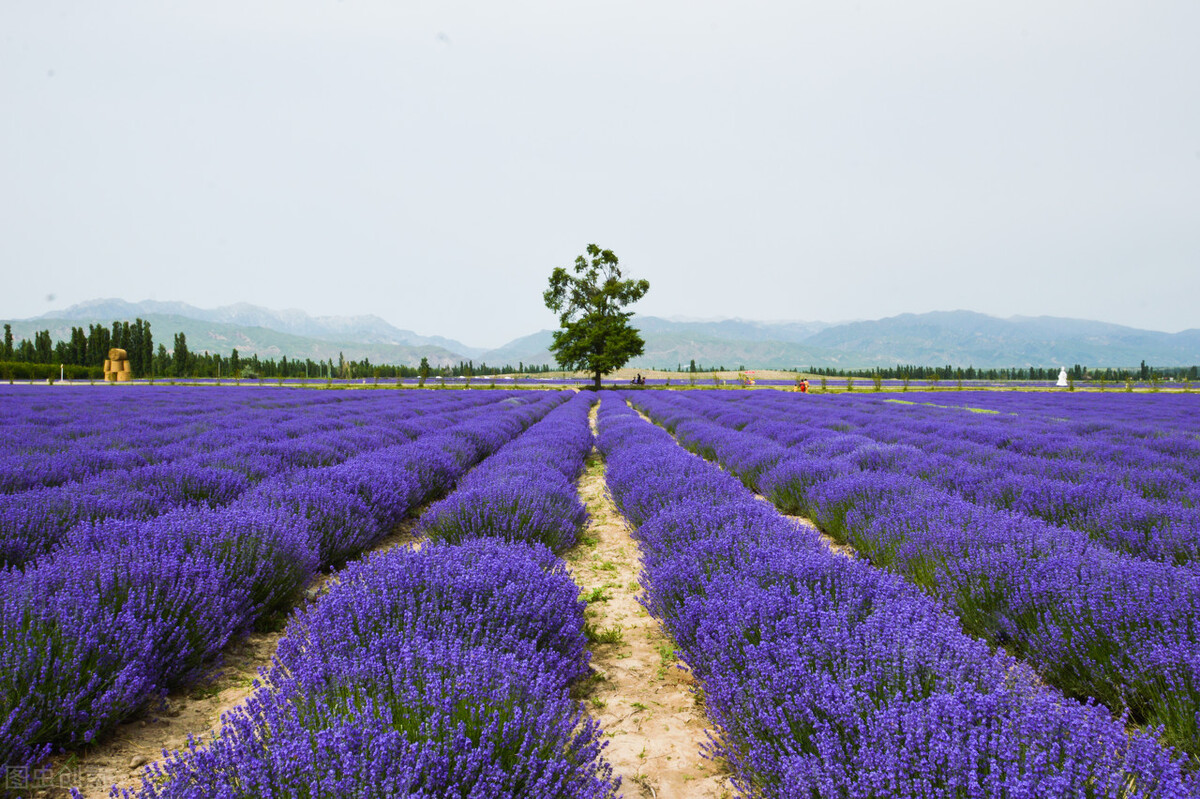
(640, 692)
(195, 710)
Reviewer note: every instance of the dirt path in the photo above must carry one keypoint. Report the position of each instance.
(639, 691)
(197, 710)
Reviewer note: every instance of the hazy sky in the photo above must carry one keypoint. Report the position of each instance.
(432, 162)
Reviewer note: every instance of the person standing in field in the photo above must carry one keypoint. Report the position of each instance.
(804, 386)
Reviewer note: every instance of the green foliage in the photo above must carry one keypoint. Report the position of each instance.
(608, 635)
(17, 370)
(596, 595)
(595, 335)
(181, 357)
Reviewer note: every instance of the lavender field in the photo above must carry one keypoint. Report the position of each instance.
(990, 594)
(1061, 531)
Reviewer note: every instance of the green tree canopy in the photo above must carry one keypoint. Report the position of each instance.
(182, 360)
(595, 335)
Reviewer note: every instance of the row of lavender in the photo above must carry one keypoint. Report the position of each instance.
(1093, 622)
(125, 609)
(1163, 418)
(827, 677)
(171, 460)
(51, 439)
(442, 671)
(1142, 453)
(1131, 485)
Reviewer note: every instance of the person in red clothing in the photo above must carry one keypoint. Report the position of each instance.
(804, 386)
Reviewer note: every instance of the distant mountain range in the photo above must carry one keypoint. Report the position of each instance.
(960, 338)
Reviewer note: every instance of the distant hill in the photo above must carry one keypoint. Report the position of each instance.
(532, 349)
(960, 338)
(964, 337)
(732, 329)
(365, 329)
(247, 339)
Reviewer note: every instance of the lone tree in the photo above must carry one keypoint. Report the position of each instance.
(595, 335)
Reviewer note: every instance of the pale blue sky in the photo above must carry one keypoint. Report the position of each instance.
(432, 162)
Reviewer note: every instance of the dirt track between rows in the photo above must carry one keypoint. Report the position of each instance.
(641, 694)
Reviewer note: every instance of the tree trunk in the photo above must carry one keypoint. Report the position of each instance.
(597, 383)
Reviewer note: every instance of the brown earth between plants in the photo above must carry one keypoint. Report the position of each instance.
(641, 694)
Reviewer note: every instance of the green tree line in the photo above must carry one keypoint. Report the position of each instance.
(950, 372)
(88, 348)
(86, 351)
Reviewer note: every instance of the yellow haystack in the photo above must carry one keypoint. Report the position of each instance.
(116, 367)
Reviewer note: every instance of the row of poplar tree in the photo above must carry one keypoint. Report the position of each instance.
(88, 348)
